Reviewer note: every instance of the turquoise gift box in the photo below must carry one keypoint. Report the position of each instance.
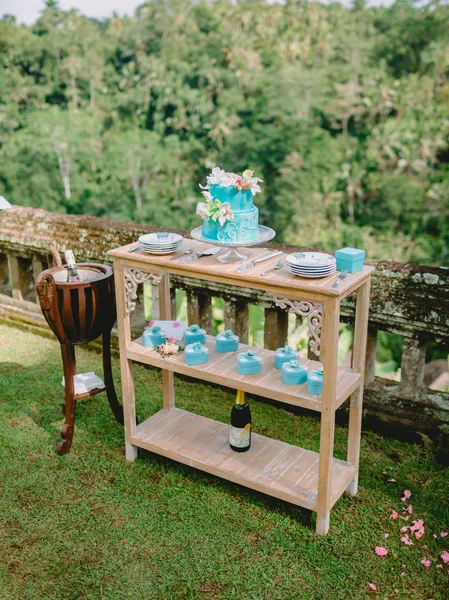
(153, 337)
(196, 354)
(249, 363)
(350, 259)
(293, 373)
(283, 355)
(193, 334)
(227, 341)
(315, 382)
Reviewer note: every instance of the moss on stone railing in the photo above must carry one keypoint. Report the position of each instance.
(409, 300)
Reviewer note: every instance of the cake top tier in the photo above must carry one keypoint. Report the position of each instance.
(245, 181)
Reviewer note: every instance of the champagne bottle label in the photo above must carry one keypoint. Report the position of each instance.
(239, 436)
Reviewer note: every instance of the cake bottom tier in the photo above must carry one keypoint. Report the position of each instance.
(243, 229)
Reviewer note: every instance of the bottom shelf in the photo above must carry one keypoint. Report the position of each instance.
(269, 466)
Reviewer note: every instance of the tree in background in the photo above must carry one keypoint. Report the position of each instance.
(342, 111)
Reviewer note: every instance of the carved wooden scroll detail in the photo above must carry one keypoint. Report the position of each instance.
(314, 314)
(134, 277)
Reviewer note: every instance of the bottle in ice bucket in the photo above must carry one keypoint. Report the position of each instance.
(240, 430)
(72, 271)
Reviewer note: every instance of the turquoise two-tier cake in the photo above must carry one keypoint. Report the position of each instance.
(229, 214)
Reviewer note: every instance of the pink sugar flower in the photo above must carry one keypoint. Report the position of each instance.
(407, 494)
(445, 557)
(380, 551)
(372, 587)
(426, 563)
(443, 533)
(394, 515)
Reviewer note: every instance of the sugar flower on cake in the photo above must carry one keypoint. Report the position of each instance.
(246, 181)
(216, 210)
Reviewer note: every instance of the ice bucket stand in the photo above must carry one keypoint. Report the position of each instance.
(79, 313)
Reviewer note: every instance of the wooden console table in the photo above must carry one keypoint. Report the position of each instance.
(308, 479)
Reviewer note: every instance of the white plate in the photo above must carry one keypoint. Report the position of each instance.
(161, 238)
(310, 276)
(308, 271)
(310, 259)
(158, 252)
(160, 247)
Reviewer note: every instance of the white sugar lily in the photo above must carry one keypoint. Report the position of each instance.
(225, 213)
(207, 195)
(202, 210)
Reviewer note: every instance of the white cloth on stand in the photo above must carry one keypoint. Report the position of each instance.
(86, 382)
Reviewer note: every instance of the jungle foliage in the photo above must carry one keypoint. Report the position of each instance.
(342, 111)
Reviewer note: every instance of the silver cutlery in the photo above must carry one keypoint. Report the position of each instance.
(182, 253)
(277, 266)
(341, 276)
(208, 252)
(258, 260)
(134, 249)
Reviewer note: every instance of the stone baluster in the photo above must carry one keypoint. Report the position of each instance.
(199, 309)
(370, 363)
(5, 286)
(412, 367)
(21, 277)
(276, 328)
(236, 317)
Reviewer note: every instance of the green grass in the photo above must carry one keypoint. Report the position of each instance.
(90, 525)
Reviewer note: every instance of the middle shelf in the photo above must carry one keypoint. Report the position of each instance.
(222, 369)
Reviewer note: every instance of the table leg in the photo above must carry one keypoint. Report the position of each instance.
(168, 385)
(124, 331)
(358, 364)
(329, 345)
(116, 407)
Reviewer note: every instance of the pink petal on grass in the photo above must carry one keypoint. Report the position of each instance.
(426, 563)
(407, 494)
(394, 515)
(404, 529)
(372, 587)
(381, 551)
(386, 535)
(424, 547)
(443, 533)
(409, 509)
(439, 566)
(445, 557)
(392, 481)
(395, 591)
(434, 536)
(419, 533)
(406, 541)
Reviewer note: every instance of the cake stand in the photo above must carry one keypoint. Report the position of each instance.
(233, 255)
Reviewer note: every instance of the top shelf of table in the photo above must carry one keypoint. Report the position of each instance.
(209, 269)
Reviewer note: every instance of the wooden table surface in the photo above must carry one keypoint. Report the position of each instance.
(209, 268)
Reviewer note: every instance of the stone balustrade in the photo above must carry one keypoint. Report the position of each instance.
(409, 300)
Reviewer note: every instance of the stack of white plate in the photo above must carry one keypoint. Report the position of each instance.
(310, 264)
(160, 243)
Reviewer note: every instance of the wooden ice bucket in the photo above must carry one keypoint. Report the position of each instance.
(78, 312)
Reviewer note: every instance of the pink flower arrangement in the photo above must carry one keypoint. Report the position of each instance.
(170, 348)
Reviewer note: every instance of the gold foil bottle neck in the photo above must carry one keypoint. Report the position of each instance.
(241, 397)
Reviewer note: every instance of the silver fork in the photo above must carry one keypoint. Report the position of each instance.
(182, 253)
(342, 275)
(277, 266)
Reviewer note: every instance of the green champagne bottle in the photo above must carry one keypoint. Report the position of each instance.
(240, 430)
